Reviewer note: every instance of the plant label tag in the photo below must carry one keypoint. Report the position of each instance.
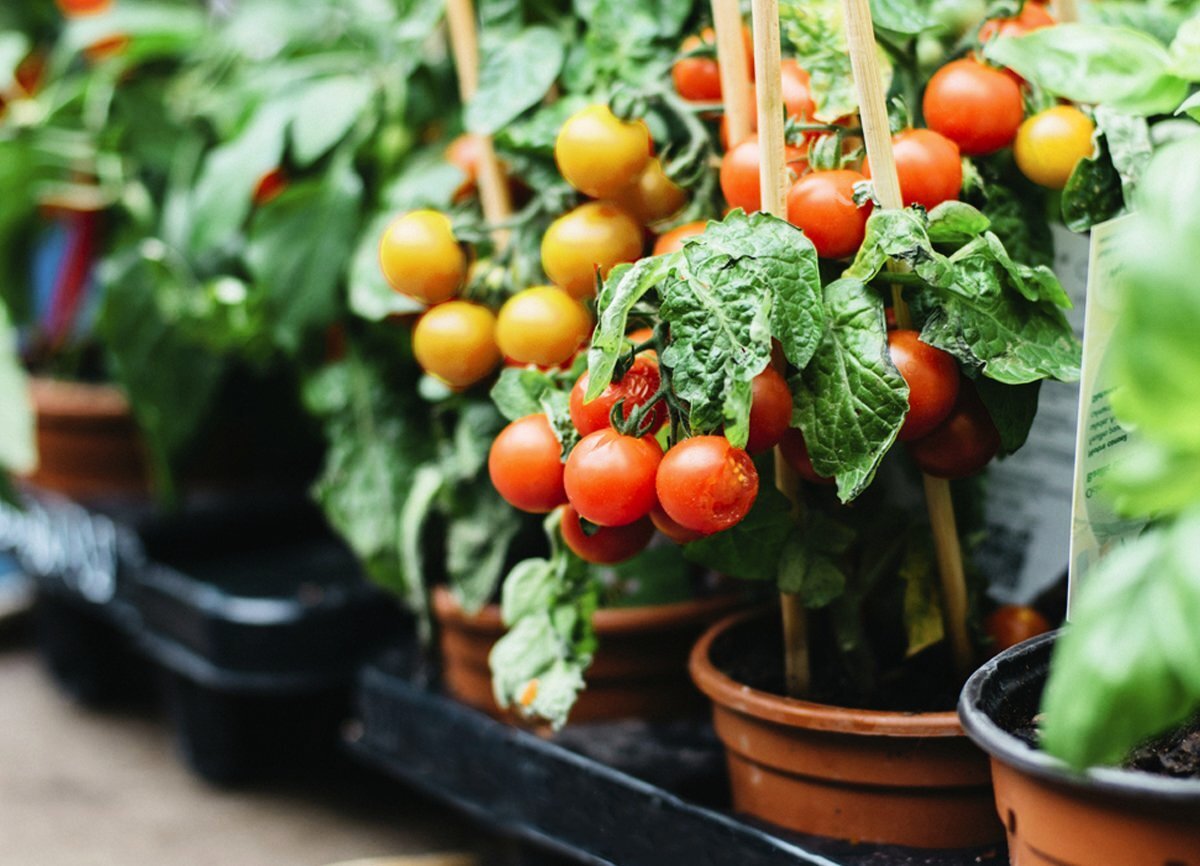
(1101, 442)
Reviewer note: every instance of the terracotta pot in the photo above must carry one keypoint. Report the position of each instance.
(1105, 817)
(860, 775)
(640, 668)
(88, 443)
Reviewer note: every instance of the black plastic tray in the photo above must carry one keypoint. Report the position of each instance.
(625, 794)
(247, 617)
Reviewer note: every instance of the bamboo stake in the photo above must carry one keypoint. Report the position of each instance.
(773, 180)
(860, 35)
(735, 76)
(494, 194)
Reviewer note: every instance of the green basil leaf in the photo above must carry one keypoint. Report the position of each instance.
(851, 400)
(625, 286)
(1127, 667)
(1095, 64)
(1152, 478)
(1185, 50)
(1191, 107)
(516, 73)
(750, 550)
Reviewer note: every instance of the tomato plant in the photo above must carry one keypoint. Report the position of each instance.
(543, 325)
(606, 545)
(932, 378)
(976, 106)
(525, 465)
(962, 445)
(672, 241)
(770, 411)
(640, 383)
(610, 477)
(590, 239)
(1033, 16)
(1051, 143)
(706, 485)
(456, 343)
(652, 197)
(739, 173)
(795, 452)
(599, 154)
(822, 205)
(421, 258)
(929, 167)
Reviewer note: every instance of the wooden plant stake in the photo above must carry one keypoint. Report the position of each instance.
(860, 35)
(773, 182)
(735, 76)
(494, 194)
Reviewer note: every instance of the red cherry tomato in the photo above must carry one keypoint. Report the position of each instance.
(1012, 624)
(822, 205)
(270, 187)
(610, 478)
(706, 485)
(797, 92)
(963, 444)
(1032, 17)
(672, 241)
(929, 166)
(698, 79)
(672, 530)
(525, 465)
(795, 452)
(608, 545)
(739, 173)
(932, 377)
(637, 386)
(770, 411)
(975, 106)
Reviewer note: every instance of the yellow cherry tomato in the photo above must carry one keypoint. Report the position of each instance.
(1051, 143)
(594, 235)
(598, 153)
(653, 196)
(421, 258)
(543, 325)
(456, 343)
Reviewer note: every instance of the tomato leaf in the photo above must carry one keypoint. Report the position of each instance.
(525, 391)
(742, 279)
(1127, 667)
(516, 72)
(809, 564)
(750, 550)
(625, 286)
(325, 112)
(851, 400)
(477, 544)
(924, 624)
(902, 236)
(956, 222)
(905, 17)
(528, 589)
(1095, 64)
(1092, 194)
(1012, 408)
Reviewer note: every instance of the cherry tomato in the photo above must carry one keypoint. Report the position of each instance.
(1012, 624)
(698, 79)
(822, 205)
(421, 258)
(963, 444)
(30, 73)
(456, 343)
(525, 465)
(270, 187)
(1050, 144)
(975, 106)
(464, 153)
(739, 173)
(543, 325)
(795, 452)
(929, 166)
(932, 377)
(594, 235)
(636, 387)
(653, 196)
(1032, 17)
(797, 92)
(672, 530)
(608, 545)
(106, 48)
(770, 411)
(598, 153)
(610, 477)
(706, 485)
(79, 8)
(672, 241)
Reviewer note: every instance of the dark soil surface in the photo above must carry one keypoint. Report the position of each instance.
(1177, 754)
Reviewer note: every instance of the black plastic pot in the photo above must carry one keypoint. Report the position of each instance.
(1056, 817)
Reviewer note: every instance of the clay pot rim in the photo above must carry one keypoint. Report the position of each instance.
(1015, 753)
(728, 692)
(61, 398)
(609, 620)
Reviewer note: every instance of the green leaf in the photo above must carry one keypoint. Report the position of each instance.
(908, 17)
(1012, 408)
(1095, 64)
(750, 550)
(1093, 192)
(1127, 667)
(531, 586)
(1185, 50)
(743, 278)
(1152, 478)
(1017, 214)
(902, 236)
(956, 222)
(477, 544)
(1129, 145)
(923, 621)
(516, 73)
(18, 453)
(537, 133)
(325, 112)
(850, 401)
(301, 280)
(519, 391)
(809, 566)
(14, 47)
(419, 505)
(1191, 107)
(625, 286)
